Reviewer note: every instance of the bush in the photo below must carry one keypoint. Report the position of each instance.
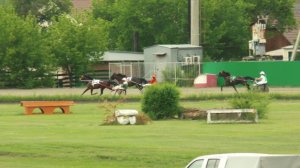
(182, 73)
(258, 101)
(161, 101)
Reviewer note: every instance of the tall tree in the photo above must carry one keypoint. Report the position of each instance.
(44, 10)
(148, 22)
(227, 24)
(75, 44)
(226, 29)
(24, 60)
(280, 12)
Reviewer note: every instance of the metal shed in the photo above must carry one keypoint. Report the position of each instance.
(158, 57)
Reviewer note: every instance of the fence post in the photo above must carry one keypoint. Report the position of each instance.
(175, 73)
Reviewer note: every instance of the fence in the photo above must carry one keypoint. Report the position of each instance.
(179, 73)
(63, 79)
(279, 73)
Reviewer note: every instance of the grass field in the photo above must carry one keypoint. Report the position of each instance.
(79, 140)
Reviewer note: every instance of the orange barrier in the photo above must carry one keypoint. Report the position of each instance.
(47, 107)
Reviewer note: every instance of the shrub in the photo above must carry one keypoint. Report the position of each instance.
(161, 101)
(258, 101)
(182, 73)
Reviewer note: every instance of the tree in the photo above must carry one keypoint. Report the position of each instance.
(24, 60)
(226, 29)
(44, 10)
(280, 12)
(143, 22)
(226, 24)
(75, 45)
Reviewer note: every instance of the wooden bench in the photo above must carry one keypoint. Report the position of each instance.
(231, 111)
(47, 107)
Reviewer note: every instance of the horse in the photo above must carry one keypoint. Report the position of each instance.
(233, 81)
(132, 81)
(97, 84)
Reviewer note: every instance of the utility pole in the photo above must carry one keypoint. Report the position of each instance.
(195, 28)
(295, 47)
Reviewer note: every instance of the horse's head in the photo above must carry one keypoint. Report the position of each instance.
(85, 77)
(112, 77)
(224, 74)
(117, 76)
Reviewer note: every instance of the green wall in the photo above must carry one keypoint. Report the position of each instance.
(278, 73)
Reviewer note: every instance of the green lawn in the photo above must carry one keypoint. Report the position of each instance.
(79, 141)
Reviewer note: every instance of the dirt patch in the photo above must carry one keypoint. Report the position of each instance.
(193, 114)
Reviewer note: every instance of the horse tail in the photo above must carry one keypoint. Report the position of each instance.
(249, 78)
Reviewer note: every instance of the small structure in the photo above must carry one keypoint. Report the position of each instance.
(258, 43)
(240, 116)
(283, 54)
(157, 58)
(47, 107)
(205, 80)
(128, 63)
(126, 116)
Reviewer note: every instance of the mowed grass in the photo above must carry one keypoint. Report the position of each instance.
(78, 140)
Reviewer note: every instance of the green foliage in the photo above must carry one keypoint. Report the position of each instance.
(43, 10)
(24, 57)
(280, 12)
(161, 101)
(75, 43)
(150, 21)
(184, 75)
(226, 24)
(153, 22)
(258, 101)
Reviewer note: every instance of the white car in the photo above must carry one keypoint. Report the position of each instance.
(245, 160)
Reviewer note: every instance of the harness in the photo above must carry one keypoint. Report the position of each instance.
(96, 81)
(232, 78)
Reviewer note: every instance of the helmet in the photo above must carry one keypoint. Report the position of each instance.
(262, 73)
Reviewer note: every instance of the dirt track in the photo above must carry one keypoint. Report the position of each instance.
(131, 91)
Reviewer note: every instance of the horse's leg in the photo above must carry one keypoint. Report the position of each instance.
(101, 93)
(247, 85)
(140, 87)
(85, 90)
(92, 89)
(235, 88)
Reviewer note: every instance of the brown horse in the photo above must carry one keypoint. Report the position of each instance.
(233, 81)
(97, 84)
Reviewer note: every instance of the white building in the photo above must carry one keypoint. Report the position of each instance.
(282, 54)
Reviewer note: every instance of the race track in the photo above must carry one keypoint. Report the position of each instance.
(133, 91)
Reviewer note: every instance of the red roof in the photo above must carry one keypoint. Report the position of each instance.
(292, 34)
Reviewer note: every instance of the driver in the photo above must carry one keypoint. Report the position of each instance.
(262, 80)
